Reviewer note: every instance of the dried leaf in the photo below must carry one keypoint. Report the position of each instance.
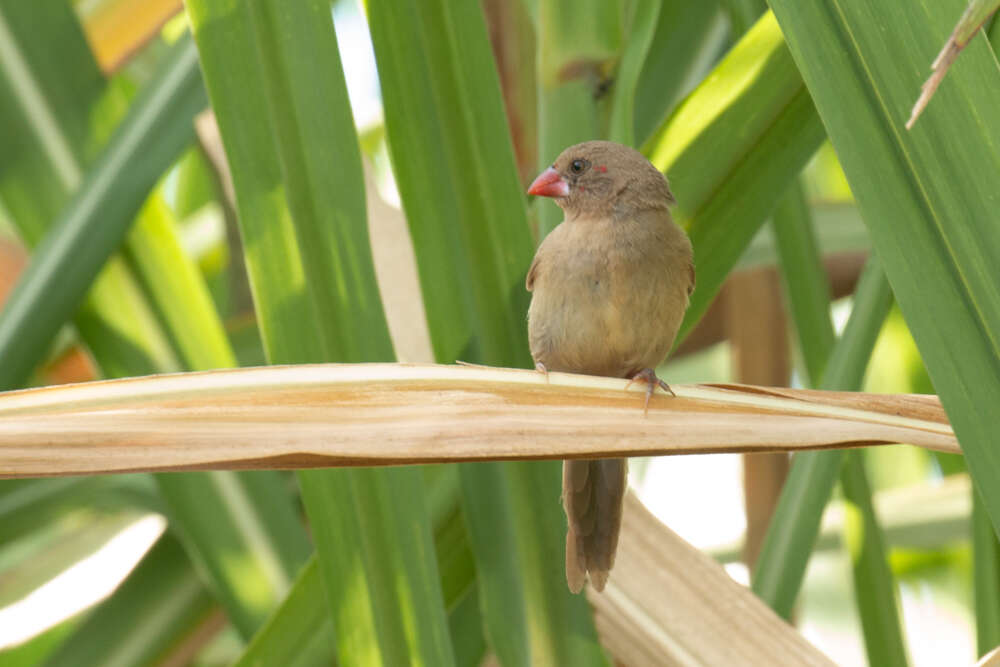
(323, 415)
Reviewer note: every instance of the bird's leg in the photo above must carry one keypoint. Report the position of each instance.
(648, 375)
(540, 367)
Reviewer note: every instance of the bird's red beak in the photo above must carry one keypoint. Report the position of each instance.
(549, 184)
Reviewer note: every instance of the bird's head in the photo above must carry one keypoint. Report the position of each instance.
(603, 179)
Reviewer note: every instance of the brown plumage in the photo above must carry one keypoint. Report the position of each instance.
(609, 287)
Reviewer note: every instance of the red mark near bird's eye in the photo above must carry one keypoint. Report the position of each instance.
(601, 168)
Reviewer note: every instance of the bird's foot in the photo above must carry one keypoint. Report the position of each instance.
(540, 367)
(648, 375)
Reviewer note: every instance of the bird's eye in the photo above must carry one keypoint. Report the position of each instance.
(577, 166)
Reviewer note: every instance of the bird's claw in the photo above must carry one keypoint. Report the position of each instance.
(540, 367)
(648, 375)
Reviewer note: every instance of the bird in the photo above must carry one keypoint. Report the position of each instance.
(609, 287)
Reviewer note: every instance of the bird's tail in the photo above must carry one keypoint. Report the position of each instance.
(593, 493)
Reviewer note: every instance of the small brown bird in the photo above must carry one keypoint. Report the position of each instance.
(609, 287)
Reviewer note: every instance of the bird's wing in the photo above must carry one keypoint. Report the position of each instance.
(529, 282)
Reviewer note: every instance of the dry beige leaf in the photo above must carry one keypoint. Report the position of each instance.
(670, 604)
(383, 414)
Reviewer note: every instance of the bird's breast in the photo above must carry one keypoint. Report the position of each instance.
(603, 303)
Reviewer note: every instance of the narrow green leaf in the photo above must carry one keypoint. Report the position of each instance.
(490, 521)
(731, 148)
(641, 25)
(805, 280)
(299, 188)
(178, 289)
(578, 42)
(112, 191)
(29, 504)
(44, 138)
(985, 578)
(794, 527)
(300, 632)
(688, 37)
(743, 14)
(935, 229)
(159, 606)
(874, 585)
(809, 301)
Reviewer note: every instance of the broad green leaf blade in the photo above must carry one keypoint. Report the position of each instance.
(795, 524)
(55, 282)
(929, 196)
(297, 175)
(320, 162)
(453, 164)
(455, 170)
(159, 606)
(731, 148)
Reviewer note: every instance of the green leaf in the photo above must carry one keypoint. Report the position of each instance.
(578, 43)
(242, 531)
(177, 289)
(933, 218)
(297, 174)
(159, 606)
(56, 280)
(453, 165)
(874, 585)
(794, 526)
(249, 544)
(300, 632)
(28, 504)
(44, 138)
(455, 170)
(688, 38)
(805, 280)
(809, 301)
(641, 26)
(487, 504)
(986, 578)
(731, 148)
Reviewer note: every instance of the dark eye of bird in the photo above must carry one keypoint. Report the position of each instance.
(577, 166)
